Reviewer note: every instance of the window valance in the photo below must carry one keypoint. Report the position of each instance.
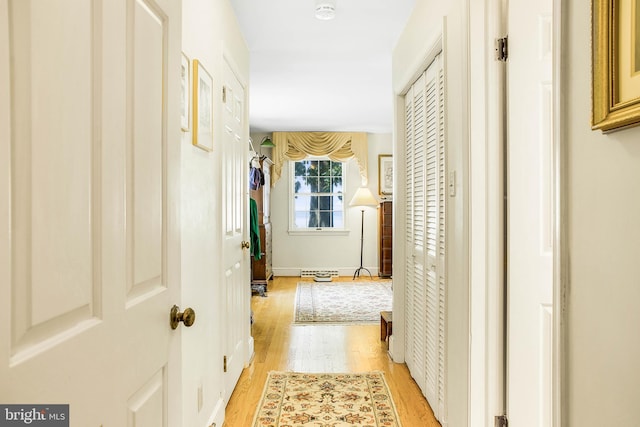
(338, 146)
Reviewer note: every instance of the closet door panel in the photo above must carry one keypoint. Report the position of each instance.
(425, 235)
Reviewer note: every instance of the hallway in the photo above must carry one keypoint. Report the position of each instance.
(279, 345)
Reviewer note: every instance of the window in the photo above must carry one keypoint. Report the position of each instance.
(317, 195)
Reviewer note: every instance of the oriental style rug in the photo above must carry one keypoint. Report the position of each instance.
(326, 400)
(341, 302)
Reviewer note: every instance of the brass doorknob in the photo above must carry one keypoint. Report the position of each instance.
(187, 317)
(245, 245)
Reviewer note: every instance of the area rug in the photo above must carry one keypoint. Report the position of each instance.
(326, 400)
(341, 302)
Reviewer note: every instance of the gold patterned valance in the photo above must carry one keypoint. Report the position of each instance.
(338, 146)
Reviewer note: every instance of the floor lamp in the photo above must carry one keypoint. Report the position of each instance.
(362, 198)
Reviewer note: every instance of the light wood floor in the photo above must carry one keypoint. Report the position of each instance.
(282, 346)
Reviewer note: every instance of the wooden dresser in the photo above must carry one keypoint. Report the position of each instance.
(261, 268)
(385, 243)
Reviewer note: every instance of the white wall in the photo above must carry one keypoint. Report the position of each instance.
(416, 43)
(294, 252)
(603, 342)
(209, 31)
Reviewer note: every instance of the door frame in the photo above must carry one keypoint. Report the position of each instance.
(487, 379)
(397, 345)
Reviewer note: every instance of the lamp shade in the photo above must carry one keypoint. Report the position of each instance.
(363, 197)
(267, 142)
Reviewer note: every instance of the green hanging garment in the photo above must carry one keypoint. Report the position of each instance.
(255, 230)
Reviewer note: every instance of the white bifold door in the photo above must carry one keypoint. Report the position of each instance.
(425, 234)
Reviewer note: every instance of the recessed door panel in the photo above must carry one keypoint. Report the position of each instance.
(145, 406)
(55, 193)
(146, 147)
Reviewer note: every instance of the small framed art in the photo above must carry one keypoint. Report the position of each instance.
(385, 174)
(202, 107)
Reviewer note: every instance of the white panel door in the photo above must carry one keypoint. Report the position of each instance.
(235, 191)
(530, 213)
(89, 237)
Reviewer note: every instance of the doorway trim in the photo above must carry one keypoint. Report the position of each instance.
(434, 48)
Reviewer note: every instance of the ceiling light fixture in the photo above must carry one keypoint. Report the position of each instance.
(325, 9)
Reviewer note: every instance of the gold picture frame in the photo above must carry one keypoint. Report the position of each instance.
(202, 99)
(616, 64)
(385, 174)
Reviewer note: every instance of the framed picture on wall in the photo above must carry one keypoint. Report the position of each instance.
(202, 107)
(185, 92)
(616, 64)
(385, 174)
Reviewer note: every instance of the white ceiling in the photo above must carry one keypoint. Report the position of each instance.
(313, 75)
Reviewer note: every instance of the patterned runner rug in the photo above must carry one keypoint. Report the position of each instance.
(326, 400)
(341, 302)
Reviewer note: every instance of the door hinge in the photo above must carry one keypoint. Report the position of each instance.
(224, 94)
(502, 421)
(224, 363)
(502, 49)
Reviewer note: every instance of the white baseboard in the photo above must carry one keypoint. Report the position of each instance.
(216, 418)
(286, 272)
(396, 356)
(250, 351)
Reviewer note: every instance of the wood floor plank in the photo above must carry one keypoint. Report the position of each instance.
(282, 346)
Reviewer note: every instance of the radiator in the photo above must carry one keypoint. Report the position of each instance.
(315, 271)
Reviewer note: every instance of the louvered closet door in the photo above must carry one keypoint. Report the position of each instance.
(441, 253)
(415, 238)
(425, 225)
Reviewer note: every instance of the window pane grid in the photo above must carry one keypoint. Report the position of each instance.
(318, 194)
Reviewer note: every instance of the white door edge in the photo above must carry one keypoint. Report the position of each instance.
(560, 231)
